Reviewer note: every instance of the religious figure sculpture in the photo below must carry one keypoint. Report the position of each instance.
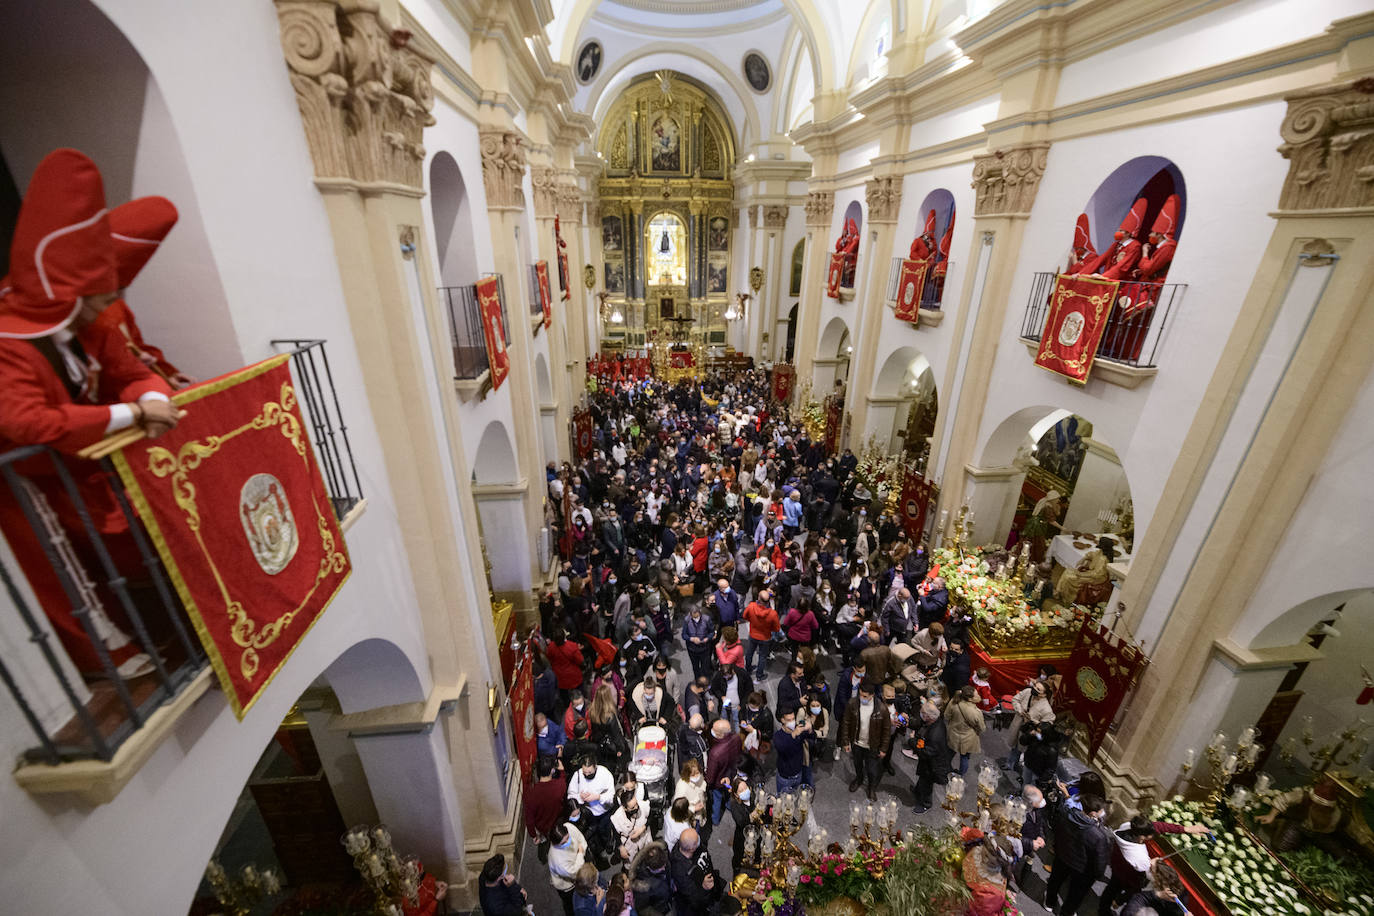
(1044, 517)
(1307, 816)
(1091, 571)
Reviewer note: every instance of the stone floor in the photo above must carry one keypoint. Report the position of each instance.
(831, 807)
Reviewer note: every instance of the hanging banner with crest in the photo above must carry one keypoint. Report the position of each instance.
(1079, 307)
(493, 328)
(541, 270)
(909, 286)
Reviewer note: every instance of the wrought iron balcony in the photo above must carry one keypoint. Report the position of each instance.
(932, 292)
(1135, 325)
(76, 558)
(537, 307)
(465, 328)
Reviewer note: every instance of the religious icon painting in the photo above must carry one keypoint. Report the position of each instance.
(611, 233)
(665, 145)
(756, 72)
(615, 277)
(718, 234)
(716, 276)
(589, 62)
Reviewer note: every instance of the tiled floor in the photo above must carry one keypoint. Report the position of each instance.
(831, 808)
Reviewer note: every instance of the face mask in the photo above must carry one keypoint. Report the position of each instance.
(815, 710)
(856, 679)
(648, 697)
(544, 732)
(1039, 803)
(866, 702)
(744, 795)
(577, 706)
(789, 725)
(696, 780)
(571, 820)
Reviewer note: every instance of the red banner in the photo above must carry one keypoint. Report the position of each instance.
(541, 270)
(1100, 672)
(493, 329)
(834, 416)
(784, 379)
(835, 276)
(582, 434)
(522, 715)
(1079, 307)
(917, 492)
(909, 286)
(681, 359)
(235, 504)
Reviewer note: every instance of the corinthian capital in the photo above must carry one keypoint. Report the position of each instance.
(1006, 181)
(884, 197)
(1328, 140)
(819, 207)
(364, 94)
(544, 180)
(503, 169)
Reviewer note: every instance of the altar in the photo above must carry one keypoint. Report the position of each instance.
(1068, 550)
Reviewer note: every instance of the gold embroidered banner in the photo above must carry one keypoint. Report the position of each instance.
(835, 277)
(235, 504)
(493, 329)
(541, 269)
(909, 286)
(1079, 307)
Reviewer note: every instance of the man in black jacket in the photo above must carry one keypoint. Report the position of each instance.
(931, 745)
(734, 683)
(957, 667)
(696, 886)
(1082, 849)
(1034, 831)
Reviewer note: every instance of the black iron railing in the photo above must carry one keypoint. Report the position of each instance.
(932, 292)
(536, 305)
(103, 582)
(1134, 327)
(465, 328)
(325, 420)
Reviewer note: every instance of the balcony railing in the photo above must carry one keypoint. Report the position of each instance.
(465, 328)
(1135, 325)
(75, 717)
(88, 568)
(537, 307)
(325, 421)
(932, 292)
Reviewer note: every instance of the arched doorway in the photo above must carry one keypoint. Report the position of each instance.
(831, 364)
(548, 409)
(1036, 454)
(317, 777)
(498, 491)
(451, 209)
(904, 406)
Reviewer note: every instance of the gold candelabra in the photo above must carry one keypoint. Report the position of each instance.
(1224, 764)
(963, 527)
(990, 814)
(1337, 755)
(241, 892)
(390, 878)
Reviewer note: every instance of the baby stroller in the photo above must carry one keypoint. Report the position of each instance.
(652, 767)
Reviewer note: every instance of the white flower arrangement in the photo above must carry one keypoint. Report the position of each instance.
(1244, 875)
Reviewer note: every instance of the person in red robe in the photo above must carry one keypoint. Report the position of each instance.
(923, 246)
(1083, 253)
(1127, 247)
(1137, 299)
(137, 229)
(66, 384)
(1154, 263)
(941, 267)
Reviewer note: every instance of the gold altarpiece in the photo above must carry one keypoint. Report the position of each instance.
(665, 200)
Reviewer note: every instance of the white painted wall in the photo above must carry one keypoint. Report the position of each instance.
(1101, 484)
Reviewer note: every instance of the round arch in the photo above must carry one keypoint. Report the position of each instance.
(816, 30)
(543, 387)
(862, 63)
(834, 338)
(495, 459)
(374, 673)
(451, 209)
(905, 402)
(1151, 177)
(742, 117)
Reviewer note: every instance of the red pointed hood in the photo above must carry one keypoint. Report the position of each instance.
(138, 228)
(1166, 223)
(947, 239)
(930, 225)
(1082, 235)
(1134, 220)
(62, 248)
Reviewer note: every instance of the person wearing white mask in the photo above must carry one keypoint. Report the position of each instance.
(566, 857)
(631, 824)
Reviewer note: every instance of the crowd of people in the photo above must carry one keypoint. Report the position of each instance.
(716, 563)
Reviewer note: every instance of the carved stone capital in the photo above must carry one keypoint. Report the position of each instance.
(503, 169)
(569, 202)
(884, 198)
(364, 94)
(1006, 181)
(754, 216)
(774, 216)
(1328, 140)
(544, 180)
(820, 205)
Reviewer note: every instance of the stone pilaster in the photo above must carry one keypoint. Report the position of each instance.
(1328, 140)
(1006, 181)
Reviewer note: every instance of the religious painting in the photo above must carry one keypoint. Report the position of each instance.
(1061, 449)
(718, 234)
(588, 62)
(665, 307)
(716, 275)
(615, 277)
(611, 233)
(665, 145)
(756, 72)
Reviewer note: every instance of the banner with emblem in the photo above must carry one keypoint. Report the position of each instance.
(541, 270)
(521, 698)
(917, 493)
(1101, 671)
(493, 328)
(235, 504)
(1079, 307)
(784, 379)
(582, 434)
(834, 417)
(835, 276)
(909, 285)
